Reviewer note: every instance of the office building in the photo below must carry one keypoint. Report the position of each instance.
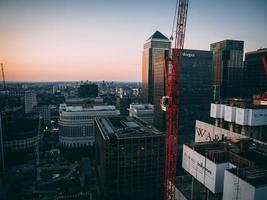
(88, 90)
(130, 159)
(76, 124)
(142, 111)
(195, 92)
(227, 68)
(30, 101)
(255, 73)
(84, 102)
(155, 46)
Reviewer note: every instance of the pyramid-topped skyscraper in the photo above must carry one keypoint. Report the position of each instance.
(154, 48)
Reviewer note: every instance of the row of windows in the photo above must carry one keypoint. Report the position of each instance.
(77, 131)
(76, 145)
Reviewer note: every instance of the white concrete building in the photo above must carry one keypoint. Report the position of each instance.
(241, 117)
(76, 124)
(248, 184)
(142, 111)
(228, 159)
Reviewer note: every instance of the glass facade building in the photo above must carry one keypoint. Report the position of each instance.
(195, 92)
(130, 159)
(255, 79)
(227, 68)
(155, 45)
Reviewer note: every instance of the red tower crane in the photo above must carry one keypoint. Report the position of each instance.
(170, 102)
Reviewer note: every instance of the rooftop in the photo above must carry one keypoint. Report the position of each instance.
(158, 35)
(254, 175)
(262, 50)
(123, 126)
(241, 103)
(250, 156)
(86, 109)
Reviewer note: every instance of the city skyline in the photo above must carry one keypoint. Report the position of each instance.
(98, 40)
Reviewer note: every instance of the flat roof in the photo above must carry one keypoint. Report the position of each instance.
(248, 155)
(124, 126)
(255, 175)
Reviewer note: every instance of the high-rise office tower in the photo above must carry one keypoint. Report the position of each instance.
(155, 46)
(227, 68)
(255, 76)
(195, 91)
(130, 157)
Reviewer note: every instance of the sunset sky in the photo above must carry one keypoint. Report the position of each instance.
(46, 40)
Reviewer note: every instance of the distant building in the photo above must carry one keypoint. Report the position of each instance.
(88, 90)
(87, 101)
(30, 101)
(123, 104)
(195, 92)
(142, 111)
(255, 75)
(227, 68)
(130, 159)
(44, 111)
(155, 46)
(76, 124)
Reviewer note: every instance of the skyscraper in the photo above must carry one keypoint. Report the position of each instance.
(227, 68)
(195, 91)
(154, 47)
(130, 157)
(255, 77)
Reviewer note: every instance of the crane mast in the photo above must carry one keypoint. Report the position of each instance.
(170, 102)
(3, 76)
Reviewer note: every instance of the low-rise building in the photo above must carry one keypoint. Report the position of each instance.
(142, 111)
(242, 117)
(76, 124)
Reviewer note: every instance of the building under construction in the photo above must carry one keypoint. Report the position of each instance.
(130, 156)
(230, 169)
